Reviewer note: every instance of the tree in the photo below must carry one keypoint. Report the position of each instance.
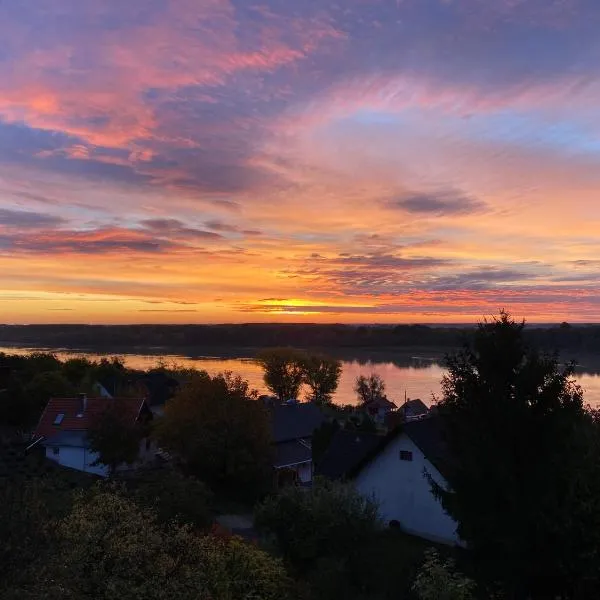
(524, 472)
(321, 374)
(438, 580)
(172, 497)
(114, 437)
(328, 520)
(43, 386)
(369, 388)
(215, 426)
(77, 369)
(109, 548)
(283, 371)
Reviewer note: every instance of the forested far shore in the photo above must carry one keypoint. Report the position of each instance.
(581, 338)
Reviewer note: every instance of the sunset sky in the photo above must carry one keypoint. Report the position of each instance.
(311, 160)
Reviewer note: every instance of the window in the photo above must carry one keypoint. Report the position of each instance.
(55, 451)
(58, 419)
(406, 455)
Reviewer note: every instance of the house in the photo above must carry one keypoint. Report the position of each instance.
(64, 424)
(396, 474)
(379, 408)
(292, 428)
(347, 449)
(409, 411)
(413, 409)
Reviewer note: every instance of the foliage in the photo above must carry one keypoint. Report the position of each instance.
(369, 388)
(438, 580)
(43, 386)
(525, 472)
(29, 505)
(109, 549)
(172, 496)
(114, 437)
(220, 433)
(321, 374)
(283, 371)
(328, 520)
(76, 370)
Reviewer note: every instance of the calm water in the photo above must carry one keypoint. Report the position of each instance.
(416, 375)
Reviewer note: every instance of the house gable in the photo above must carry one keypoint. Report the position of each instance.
(396, 477)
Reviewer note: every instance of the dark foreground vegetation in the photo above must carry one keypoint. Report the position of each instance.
(556, 337)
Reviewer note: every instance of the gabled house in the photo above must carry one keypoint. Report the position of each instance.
(63, 427)
(413, 409)
(292, 428)
(396, 473)
(379, 408)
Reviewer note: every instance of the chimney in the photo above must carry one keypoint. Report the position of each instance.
(83, 400)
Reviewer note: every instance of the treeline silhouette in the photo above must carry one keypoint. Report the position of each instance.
(584, 338)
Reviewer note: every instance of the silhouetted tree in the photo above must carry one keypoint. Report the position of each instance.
(524, 472)
(215, 426)
(321, 374)
(369, 388)
(283, 371)
(114, 437)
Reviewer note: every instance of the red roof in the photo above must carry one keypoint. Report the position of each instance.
(77, 419)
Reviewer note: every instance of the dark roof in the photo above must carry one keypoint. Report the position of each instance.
(346, 450)
(381, 402)
(295, 421)
(70, 408)
(292, 453)
(73, 439)
(427, 434)
(413, 408)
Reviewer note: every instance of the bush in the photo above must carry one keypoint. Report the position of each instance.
(438, 580)
(329, 520)
(108, 548)
(173, 497)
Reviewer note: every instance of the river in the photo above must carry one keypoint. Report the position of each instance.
(417, 375)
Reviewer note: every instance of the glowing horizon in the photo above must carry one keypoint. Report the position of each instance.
(212, 161)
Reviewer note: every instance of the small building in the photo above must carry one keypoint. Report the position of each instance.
(292, 428)
(396, 473)
(64, 424)
(379, 408)
(413, 409)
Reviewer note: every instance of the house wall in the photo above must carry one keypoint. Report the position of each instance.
(404, 493)
(77, 458)
(304, 471)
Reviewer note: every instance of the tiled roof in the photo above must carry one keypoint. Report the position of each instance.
(345, 452)
(413, 408)
(77, 419)
(295, 421)
(381, 403)
(291, 453)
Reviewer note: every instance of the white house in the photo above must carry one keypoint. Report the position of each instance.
(64, 424)
(395, 474)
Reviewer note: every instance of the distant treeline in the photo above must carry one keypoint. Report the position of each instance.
(565, 337)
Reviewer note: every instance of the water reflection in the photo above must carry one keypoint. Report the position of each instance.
(411, 374)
